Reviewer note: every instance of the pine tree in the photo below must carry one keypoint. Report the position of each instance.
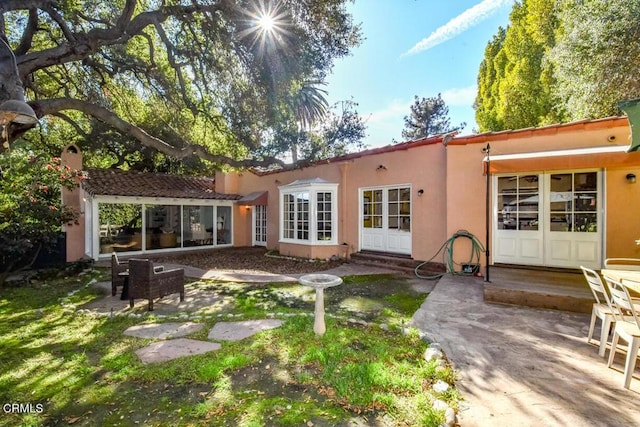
(429, 116)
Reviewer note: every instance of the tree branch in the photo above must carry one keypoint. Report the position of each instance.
(11, 5)
(27, 35)
(92, 41)
(51, 106)
(72, 123)
(68, 34)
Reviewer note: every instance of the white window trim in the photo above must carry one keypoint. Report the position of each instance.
(94, 202)
(313, 189)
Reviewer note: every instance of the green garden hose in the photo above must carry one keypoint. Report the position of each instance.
(447, 249)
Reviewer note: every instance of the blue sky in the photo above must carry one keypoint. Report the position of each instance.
(415, 47)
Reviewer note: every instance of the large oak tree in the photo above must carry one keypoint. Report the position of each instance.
(187, 78)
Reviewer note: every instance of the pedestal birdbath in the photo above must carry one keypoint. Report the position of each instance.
(319, 282)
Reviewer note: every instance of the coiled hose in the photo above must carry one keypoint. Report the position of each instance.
(447, 248)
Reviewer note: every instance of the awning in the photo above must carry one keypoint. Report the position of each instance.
(254, 199)
(632, 108)
(575, 158)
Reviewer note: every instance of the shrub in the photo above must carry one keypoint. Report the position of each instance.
(31, 209)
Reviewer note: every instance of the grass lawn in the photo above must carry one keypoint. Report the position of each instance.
(79, 369)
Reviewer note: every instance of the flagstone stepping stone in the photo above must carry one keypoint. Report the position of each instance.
(235, 331)
(163, 351)
(163, 331)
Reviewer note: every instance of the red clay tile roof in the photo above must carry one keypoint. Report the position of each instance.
(587, 124)
(115, 182)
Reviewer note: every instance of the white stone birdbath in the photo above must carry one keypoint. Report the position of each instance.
(319, 282)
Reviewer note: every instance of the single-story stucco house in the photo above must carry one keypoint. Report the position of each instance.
(561, 196)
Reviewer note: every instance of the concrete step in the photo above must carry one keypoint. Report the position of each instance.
(400, 263)
(555, 289)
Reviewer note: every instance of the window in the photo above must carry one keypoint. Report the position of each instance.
(518, 202)
(574, 198)
(120, 227)
(296, 216)
(372, 208)
(132, 227)
(197, 226)
(309, 212)
(399, 214)
(324, 215)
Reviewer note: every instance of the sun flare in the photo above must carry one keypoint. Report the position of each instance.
(266, 23)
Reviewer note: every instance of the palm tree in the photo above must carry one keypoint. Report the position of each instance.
(309, 105)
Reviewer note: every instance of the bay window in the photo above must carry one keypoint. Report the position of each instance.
(308, 212)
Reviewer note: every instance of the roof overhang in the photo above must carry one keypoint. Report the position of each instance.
(575, 158)
(254, 199)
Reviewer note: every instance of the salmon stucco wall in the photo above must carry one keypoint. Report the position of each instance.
(72, 157)
(241, 225)
(623, 214)
(466, 197)
(422, 167)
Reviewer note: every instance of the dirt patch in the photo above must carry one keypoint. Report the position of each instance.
(248, 259)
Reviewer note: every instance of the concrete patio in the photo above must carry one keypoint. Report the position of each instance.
(522, 366)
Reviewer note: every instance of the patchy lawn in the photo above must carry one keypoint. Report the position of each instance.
(80, 369)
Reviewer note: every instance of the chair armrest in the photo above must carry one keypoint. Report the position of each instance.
(167, 272)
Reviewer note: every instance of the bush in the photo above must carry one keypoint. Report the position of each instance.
(31, 210)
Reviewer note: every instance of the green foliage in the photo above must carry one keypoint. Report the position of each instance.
(491, 72)
(161, 82)
(559, 61)
(339, 131)
(515, 80)
(31, 211)
(597, 56)
(429, 116)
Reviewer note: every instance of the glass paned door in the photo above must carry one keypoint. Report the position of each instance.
(518, 202)
(260, 225)
(386, 219)
(572, 235)
(550, 219)
(518, 233)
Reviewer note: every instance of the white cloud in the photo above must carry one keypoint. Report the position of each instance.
(460, 97)
(386, 124)
(459, 24)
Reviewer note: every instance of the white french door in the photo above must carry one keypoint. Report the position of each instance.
(548, 219)
(518, 231)
(259, 225)
(385, 219)
(573, 228)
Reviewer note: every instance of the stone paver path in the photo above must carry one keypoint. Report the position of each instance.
(163, 331)
(163, 351)
(173, 347)
(235, 331)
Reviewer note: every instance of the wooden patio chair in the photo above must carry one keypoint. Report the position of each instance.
(117, 267)
(149, 282)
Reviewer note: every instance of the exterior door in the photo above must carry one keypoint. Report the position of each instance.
(572, 230)
(518, 232)
(385, 219)
(259, 225)
(549, 219)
